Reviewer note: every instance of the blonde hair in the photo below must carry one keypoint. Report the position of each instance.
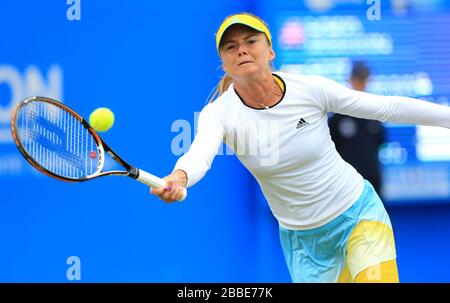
(226, 80)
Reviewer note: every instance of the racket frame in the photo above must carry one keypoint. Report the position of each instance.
(101, 145)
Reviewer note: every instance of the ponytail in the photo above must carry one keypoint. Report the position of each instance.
(220, 88)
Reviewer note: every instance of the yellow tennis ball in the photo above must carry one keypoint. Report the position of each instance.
(101, 119)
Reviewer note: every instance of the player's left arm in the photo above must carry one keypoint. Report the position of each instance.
(337, 98)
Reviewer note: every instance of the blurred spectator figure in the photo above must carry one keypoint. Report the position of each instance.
(357, 140)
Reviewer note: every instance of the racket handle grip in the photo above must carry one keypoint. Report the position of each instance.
(151, 180)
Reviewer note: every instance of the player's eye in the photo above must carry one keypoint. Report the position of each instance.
(230, 47)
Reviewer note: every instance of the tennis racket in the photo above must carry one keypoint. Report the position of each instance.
(61, 144)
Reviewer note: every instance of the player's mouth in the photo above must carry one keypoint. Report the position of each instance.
(244, 62)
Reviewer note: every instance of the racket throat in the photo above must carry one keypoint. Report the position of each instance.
(133, 172)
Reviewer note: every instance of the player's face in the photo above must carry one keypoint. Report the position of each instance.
(245, 51)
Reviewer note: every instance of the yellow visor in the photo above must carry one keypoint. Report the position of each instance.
(244, 19)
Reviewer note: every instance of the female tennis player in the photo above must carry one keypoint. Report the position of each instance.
(333, 226)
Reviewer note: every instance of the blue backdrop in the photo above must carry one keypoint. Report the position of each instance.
(154, 64)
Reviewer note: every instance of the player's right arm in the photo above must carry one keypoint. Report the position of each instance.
(192, 166)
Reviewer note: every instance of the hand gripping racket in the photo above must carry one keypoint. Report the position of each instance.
(61, 144)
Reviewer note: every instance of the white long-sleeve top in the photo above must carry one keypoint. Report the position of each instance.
(288, 147)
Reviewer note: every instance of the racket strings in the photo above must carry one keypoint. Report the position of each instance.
(57, 141)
